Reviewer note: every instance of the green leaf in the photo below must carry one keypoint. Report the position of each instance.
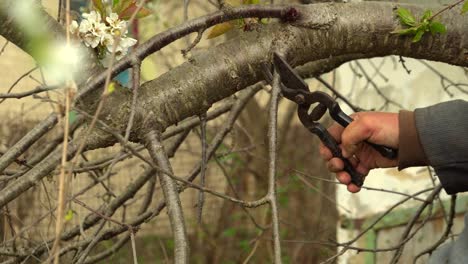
(170, 244)
(244, 245)
(406, 17)
(72, 117)
(406, 31)
(230, 232)
(437, 27)
(115, 2)
(220, 29)
(100, 7)
(418, 35)
(69, 215)
(264, 21)
(465, 7)
(111, 88)
(121, 5)
(424, 26)
(283, 200)
(127, 13)
(427, 14)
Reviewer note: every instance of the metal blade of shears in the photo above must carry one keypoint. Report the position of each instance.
(293, 82)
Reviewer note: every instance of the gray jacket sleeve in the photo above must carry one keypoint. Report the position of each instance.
(443, 131)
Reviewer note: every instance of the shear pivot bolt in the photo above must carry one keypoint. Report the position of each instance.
(299, 99)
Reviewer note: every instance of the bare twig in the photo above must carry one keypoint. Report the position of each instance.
(136, 72)
(272, 145)
(194, 43)
(444, 80)
(156, 150)
(448, 7)
(17, 81)
(34, 91)
(347, 244)
(252, 252)
(4, 47)
(63, 181)
(132, 239)
(429, 200)
(448, 228)
(332, 200)
(201, 194)
(403, 63)
(376, 88)
(378, 69)
(339, 95)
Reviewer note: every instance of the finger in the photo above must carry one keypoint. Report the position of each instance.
(325, 152)
(354, 161)
(335, 131)
(361, 169)
(353, 188)
(335, 165)
(358, 166)
(343, 177)
(355, 133)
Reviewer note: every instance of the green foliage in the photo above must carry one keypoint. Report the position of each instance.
(127, 13)
(283, 195)
(437, 27)
(110, 88)
(406, 18)
(465, 7)
(231, 160)
(72, 117)
(222, 28)
(99, 6)
(230, 232)
(244, 245)
(124, 8)
(69, 215)
(170, 244)
(415, 28)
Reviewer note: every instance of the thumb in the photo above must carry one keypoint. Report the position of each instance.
(355, 133)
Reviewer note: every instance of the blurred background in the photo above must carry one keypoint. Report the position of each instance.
(316, 213)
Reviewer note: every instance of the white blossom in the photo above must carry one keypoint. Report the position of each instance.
(117, 27)
(98, 33)
(93, 17)
(74, 27)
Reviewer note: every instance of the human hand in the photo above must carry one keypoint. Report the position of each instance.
(375, 127)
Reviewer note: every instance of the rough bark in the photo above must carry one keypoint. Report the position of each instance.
(323, 31)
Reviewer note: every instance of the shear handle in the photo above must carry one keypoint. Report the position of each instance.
(329, 141)
(343, 119)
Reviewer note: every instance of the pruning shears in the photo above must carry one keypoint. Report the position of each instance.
(295, 89)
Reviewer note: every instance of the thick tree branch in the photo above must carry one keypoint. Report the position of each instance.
(323, 31)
